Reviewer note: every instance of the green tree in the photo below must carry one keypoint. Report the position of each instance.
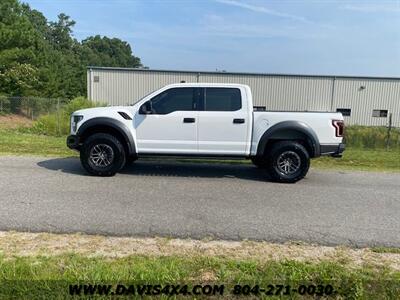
(60, 33)
(109, 52)
(20, 79)
(42, 58)
(19, 44)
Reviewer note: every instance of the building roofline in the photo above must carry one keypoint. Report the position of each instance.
(241, 73)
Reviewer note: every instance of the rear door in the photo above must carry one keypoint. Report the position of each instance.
(171, 127)
(223, 122)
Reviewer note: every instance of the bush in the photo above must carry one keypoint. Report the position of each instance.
(58, 122)
(371, 137)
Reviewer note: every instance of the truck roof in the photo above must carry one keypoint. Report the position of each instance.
(207, 84)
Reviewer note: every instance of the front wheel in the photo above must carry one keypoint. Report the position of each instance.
(102, 154)
(288, 161)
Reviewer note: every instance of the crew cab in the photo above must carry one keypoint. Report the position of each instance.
(204, 120)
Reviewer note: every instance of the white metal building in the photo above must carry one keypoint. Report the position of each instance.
(362, 100)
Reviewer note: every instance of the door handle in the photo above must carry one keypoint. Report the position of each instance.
(189, 120)
(238, 121)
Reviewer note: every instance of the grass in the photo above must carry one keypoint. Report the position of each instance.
(42, 265)
(363, 160)
(386, 250)
(48, 277)
(14, 142)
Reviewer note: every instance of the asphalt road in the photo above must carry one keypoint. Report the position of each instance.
(200, 201)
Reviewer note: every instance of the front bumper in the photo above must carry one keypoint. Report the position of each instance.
(73, 142)
(334, 150)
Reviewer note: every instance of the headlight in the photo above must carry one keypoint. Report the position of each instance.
(74, 122)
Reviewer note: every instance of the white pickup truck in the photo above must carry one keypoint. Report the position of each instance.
(204, 120)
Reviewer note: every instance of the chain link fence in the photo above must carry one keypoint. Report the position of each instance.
(40, 115)
(30, 107)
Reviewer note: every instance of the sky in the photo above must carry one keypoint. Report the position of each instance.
(323, 37)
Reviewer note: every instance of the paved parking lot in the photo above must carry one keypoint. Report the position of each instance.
(224, 201)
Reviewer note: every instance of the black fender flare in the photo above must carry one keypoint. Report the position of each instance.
(109, 122)
(298, 126)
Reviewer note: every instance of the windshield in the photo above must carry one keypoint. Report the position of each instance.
(144, 97)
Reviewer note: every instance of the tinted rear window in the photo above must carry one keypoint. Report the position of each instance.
(222, 99)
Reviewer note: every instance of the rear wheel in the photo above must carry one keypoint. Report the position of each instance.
(288, 161)
(102, 154)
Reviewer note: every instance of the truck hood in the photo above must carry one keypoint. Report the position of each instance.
(102, 111)
(110, 112)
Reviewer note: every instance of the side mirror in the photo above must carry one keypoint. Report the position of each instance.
(146, 108)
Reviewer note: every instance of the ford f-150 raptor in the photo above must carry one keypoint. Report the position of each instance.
(204, 120)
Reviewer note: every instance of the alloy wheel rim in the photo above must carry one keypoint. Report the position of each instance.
(288, 162)
(101, 155)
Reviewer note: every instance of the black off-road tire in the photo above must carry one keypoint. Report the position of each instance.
(109, 143)
(292, 151)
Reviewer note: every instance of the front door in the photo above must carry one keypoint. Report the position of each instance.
(171, 125)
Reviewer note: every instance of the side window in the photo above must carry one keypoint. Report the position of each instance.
(380, 113)
(222, 99)
(183, 99)
(346, 112)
